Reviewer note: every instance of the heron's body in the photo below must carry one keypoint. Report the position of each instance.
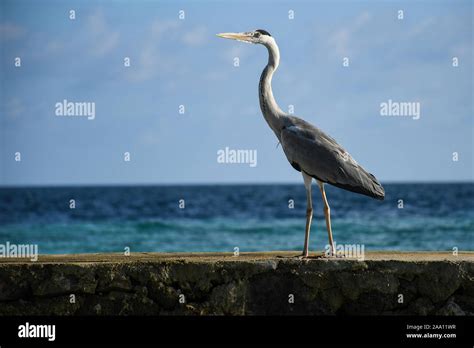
(310, 150)
(307, 148)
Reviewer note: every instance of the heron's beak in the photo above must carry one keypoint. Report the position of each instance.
(244, 37)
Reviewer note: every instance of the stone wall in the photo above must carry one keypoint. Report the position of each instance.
(249, 284)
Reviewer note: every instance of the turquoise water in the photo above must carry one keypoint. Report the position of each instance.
(219, 218)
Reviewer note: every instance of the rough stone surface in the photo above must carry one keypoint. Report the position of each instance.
(277, 283)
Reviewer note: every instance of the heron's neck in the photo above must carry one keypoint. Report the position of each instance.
(270, 109)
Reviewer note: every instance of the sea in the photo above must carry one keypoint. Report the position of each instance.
(198, 218)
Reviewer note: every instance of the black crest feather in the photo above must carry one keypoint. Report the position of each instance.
(263, 32)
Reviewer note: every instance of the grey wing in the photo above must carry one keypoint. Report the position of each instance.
(310, 150)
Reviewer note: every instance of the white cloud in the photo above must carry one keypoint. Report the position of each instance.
(196, 36)
(159, 28)
(151, 60)
(423, 26)
(341, 39)
(97, 38)
(103, 38)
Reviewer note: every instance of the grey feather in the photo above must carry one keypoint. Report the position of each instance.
(309, 149)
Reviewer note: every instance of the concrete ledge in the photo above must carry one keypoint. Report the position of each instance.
(385, 283)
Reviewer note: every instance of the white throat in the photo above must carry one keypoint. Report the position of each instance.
(270, 109)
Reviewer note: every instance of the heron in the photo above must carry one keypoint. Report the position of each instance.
(308, 149)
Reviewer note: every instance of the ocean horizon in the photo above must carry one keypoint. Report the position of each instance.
(222, 217)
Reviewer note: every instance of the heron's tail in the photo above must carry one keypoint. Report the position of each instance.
(368, 185)
(377, 191)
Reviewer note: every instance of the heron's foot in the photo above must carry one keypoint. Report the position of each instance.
(299, 257)
(303, 256)
(307, 257)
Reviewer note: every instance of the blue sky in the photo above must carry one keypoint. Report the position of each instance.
(181, 62)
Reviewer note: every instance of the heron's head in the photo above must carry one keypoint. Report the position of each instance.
(258, 36)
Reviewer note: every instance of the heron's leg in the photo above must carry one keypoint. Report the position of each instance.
(309, 212)
(327, 214)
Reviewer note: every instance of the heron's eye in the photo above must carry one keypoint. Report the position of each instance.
(256, 35)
